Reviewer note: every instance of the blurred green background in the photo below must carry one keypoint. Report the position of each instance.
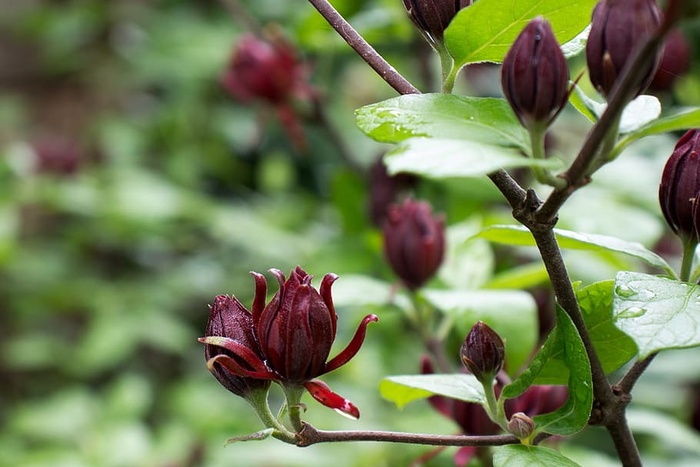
(133, 190)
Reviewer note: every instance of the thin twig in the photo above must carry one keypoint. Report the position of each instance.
(627, 382)
(363, 49)
(579, 172)
(310, 435)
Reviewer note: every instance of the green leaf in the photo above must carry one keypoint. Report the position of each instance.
(511, 313)
(519, 235)
(485, 31)
(563, 343)
(449, 116)
(589, 108)
(639, 112)
(404, 389)
(518, 455)
(680, 121)
(657, 313)
(614, 347)
(449, 158)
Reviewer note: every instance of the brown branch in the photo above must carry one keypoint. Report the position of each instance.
(627, 382)
(629, 79)
(310, 435)
(363, 49)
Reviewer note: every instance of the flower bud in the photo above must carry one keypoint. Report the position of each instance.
(229, 318)
(385, 189)
(433, 16)
(483, 352)
(534, 75)
(618, 27)
(265, 70)
(521, 425)
(414, 242)
(675, 61)
(680, 183)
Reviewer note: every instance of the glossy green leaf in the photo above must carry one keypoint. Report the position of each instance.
(563, 343)
(449, 158)
(680, 121)
(404, 389)
(614, 348)
(657, 313)
(518, 455)
(448, 116)
(511, 313)
(485, 31)
(519, 235)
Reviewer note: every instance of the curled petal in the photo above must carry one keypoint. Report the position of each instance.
(353, 347)
(260, 294)
(239, 350)
(325, 291)
(322, 393)
(279, 275)
(232, 365)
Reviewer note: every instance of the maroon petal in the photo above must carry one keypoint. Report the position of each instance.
(353, 347)
(325, 291)
(238, 349)
(260, 295)
(231, 365)
(322, 393)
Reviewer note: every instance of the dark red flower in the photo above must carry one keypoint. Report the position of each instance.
(675, 61)
(414, 241)
(618, 27)
(680, 184)
(483, 352)
(266, 70)
(295, 332)
(229, 318)
(385, 189)
(535, 76)
(433, 16)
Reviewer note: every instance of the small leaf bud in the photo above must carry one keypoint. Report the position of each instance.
(521, 425)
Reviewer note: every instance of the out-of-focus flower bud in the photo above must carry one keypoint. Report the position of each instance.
(295, 332)
(675, 61)
(538, 400)
(414, 241)
(266, 70)
(483, 352)
(385, 189)
(535, 76)
(229, 318)
(618, 27)
(680, 183)
(433, 16)
(521, 425)
(57, 155)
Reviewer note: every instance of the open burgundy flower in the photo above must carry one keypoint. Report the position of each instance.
(228, 317)
(294, 334)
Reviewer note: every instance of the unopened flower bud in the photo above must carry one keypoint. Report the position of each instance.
(414, 242)
(534, 75)
(675, 61)
(618, 28)
(680, 184)
(433, 16)
(521, 425)
(483, 352)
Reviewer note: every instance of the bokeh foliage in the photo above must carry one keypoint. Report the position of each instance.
(178, 191)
